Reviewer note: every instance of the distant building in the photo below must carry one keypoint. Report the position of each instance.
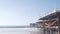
(33, 24)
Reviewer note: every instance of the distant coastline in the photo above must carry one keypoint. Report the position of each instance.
(17, 27)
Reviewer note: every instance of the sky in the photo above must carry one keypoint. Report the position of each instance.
(24, 12)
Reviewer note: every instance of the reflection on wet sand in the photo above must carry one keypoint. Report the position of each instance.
(37, 31)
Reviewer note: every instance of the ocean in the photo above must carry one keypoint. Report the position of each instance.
(20, 31)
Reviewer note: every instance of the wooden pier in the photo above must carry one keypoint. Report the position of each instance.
(50, 23)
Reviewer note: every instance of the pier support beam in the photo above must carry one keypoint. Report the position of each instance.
(58, 31)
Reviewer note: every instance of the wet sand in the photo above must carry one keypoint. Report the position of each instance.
(20, 31)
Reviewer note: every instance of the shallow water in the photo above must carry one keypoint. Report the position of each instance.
(20, 31)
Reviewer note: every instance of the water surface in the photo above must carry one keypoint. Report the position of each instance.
(20, 31)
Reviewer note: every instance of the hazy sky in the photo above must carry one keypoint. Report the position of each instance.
(23, 12)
